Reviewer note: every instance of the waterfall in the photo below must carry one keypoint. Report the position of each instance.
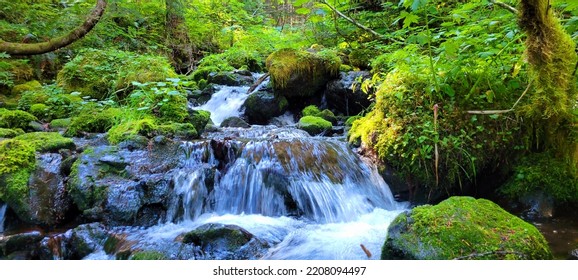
(3, 208)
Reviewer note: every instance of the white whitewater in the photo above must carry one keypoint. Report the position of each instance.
(224, 103)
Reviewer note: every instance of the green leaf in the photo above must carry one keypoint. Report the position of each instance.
(299, 3)
(303, 11)
(409, 18)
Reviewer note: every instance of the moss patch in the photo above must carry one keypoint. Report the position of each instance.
(148, 255)
(314, 125)
(9, 133)
(28, 86)
(94, 121)
(15, 119)
(463, 228)
(47, 141)
(301, 73)
(199, 119)
(99, 73)
(17, 161)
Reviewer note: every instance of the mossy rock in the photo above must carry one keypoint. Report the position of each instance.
(326, 114)
(262, 106)
(61, 123)
(10, 133)
(100, 73)
(234, 122)
(218, 237)
(15, 119)
(296, 73)
(28, 86)
(310, 110)
(17, 160)
(314, 125)
(47, 141)
(199, 119)
(463, 228)
(128, 129)
(93, 121)
(40, 111)
(148, 255)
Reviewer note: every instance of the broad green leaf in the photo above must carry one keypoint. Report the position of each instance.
(303, 11)
(409, 19)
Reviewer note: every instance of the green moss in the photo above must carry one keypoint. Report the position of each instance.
(310, 110)
(15, 119)
(543, 173)
(314, 125)
(61, 123)
(464, 228)
(100, 73)
(199, 119)
(47, 141)
(290, 64)
(148, 255)
(94, 121)
(17, 160)
(28, 86)
(9, 133)
(40, 111)
(128, 129)
(185, 130)
(350, 120)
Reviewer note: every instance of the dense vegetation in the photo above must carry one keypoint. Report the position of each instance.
(460, 90)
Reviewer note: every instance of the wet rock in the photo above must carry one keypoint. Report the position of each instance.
(119, 246)
(86, 239)
(230, 78)
(48, 199)
(342, 99)
(115, 185)
(218, 241)
(234, 122)
(463, 228)
(24, 243)
(262, 106)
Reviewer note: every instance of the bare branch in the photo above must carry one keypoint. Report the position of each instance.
(59, 42)
(505, 6)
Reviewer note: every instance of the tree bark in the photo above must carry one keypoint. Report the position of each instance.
(59, 42)
(177, 36)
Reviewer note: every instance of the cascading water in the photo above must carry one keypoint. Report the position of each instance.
(3, 208)
(305, 197)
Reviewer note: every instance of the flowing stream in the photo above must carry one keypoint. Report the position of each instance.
(304, 197)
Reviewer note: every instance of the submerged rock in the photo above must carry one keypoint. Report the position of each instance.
(223, 242)
(234, 122)
(463, 228)
(25, 243)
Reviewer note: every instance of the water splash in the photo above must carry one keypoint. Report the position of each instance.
(226, 102)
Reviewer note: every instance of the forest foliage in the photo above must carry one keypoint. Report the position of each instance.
(455, 88)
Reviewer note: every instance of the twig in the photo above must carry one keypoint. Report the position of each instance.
(505, 6)
(367, 252)
(492, 112)
(257, 83)
(361, 26)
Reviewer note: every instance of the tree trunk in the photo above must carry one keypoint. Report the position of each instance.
(177, 36)
(59, 42)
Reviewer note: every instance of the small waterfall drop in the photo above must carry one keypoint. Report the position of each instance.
(3, 208)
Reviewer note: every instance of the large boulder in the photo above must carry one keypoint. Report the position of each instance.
(262, 106)
(463, 228)
(299, 74)
(123, 186)
(341, 96)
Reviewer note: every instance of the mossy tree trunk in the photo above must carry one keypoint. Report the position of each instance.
(551, 54)
(177, 36)
(59, 42)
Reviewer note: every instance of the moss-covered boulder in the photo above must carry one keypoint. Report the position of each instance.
(100, 73)
(47, 141)
(262, 106)
(17, 161)
(15, 119)
(326, 114)
(9, 133)
(463, 228)
(93, 121)
(199, 119)
(296, 73)
(149, 127)
(314, 125)
(28, 86)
